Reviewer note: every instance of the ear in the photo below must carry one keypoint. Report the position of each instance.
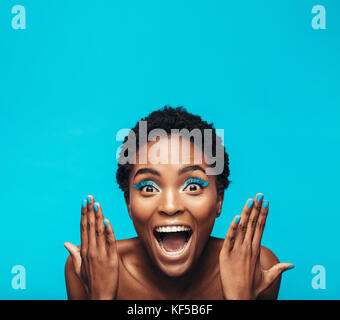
(220, 198)
(127, 202)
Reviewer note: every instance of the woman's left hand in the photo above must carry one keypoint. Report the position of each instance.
(242, 275)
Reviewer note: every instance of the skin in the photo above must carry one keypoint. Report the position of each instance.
(236, 267)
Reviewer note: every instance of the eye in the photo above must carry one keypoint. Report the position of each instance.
(148, 189)
(147, 186)
(194, 185)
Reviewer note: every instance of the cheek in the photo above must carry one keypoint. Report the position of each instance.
(203, 207)
(142, 208)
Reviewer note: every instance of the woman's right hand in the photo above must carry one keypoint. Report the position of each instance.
(96, 261)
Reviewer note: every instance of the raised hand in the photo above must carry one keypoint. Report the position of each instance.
(96, 261)
(242, 275)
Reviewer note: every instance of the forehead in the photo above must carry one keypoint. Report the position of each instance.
(171, 150)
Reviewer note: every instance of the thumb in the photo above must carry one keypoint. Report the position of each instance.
(275, 271)
(75, 255)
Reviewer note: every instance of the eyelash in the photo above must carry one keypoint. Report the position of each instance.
(145, 183)
(200, 182)
(197, 181)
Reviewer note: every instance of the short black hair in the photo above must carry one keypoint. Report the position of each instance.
(169, 118)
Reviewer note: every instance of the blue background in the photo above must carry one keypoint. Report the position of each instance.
(82, 70)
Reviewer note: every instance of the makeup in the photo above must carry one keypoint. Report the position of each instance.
(145, 183)
(200, 182)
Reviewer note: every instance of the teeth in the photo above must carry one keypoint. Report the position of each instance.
(172, 229)
(173, 253)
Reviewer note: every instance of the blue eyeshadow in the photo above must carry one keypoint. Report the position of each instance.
(201, 182)
(144, 183)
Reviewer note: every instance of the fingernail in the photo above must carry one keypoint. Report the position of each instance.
(89, 200)
(265, 204)
(250, 203)
(95, 206)
(259, 197)
(290, 267)
(105, 224)
(84, 203)
(237, 220)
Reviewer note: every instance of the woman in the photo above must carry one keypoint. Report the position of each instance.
(173, 206)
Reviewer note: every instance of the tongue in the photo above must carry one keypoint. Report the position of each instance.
(173, 241)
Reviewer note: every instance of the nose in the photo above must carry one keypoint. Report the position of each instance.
(170, 203)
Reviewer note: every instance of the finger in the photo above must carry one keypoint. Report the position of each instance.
(83, 230)
(110, 237)
(91, 225)
(100, 228)
(75, 255)
(242, 226)
(275, 271)
(229, 240)
(248, 238)
(261, 223)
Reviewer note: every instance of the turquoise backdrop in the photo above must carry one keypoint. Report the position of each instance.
(82, 70)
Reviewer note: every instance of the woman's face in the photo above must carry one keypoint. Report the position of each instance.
(173, 206)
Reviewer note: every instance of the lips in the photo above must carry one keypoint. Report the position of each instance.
(173, 239)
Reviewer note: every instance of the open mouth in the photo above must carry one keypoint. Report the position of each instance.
(173, 239)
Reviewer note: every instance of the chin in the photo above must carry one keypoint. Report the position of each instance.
(175, 270)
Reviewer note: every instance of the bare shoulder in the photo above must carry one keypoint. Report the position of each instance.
(131, 254)
(267, 258)
(74, 287)
(129, 248)
(135, 267)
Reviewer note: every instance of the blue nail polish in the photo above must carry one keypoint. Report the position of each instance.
(237, 220)
(290, 267)
(259, 197)
(105, 224)
(95, 207)
(89, 200)
(265, 204)
(250, 203)
(84, 203)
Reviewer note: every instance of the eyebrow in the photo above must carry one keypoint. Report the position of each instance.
(181, 171)
(147, 170)
(191, 168)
